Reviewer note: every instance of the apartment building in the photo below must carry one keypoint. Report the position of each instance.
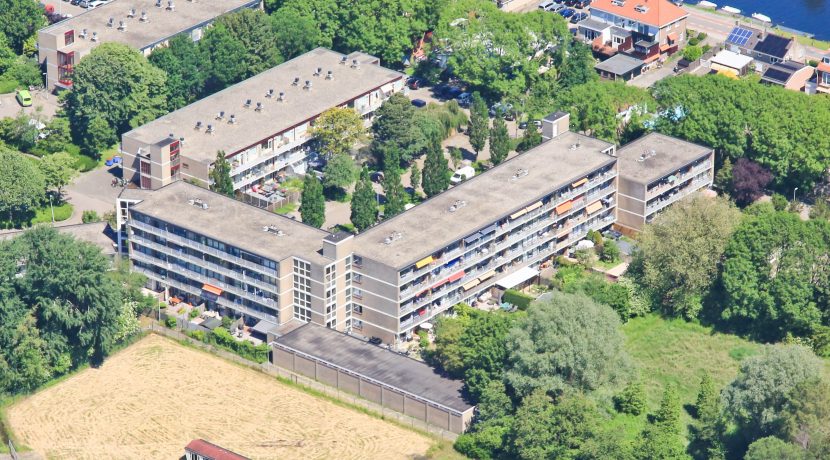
(140, 24)
(261, 124)
(823, 75)
(495, 229)
(656, 171)
(645, 29)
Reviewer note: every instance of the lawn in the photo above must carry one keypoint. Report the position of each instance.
(287, 208)
(40, 215)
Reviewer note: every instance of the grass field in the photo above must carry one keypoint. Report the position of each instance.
(151, 399)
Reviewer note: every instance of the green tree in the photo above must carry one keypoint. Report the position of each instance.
(220, 175)
(415, 178)
(58, 170)
(22, 185)
(610, 251)
(313, 203)
(779, 202)
(59, 137)
(479, 122)
(533, 435)
(18, 132)
(531, 138)
(253, 29)
(692, 53)
(337, 130)
(578, 68)
(678, 255)
(116, 84)
(340, 171)
(396, 138)
(632, 399)
(364, 209)
(436, 171)
(805, 417)
(27, 361)
(456, 156)
(569, 341)
(224, 58)
(661, 438)
(90, 216)
(772, 447)
(185, 75)
(499, 141)
(594, 107)
(723, 176)
(295, 34)
(395, 194)
(707, 396)
(756, 399)
(19, 20)
(483, 351)
(7, 55)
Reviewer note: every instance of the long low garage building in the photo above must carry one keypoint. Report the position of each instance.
(384, 377)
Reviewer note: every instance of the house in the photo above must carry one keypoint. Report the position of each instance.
(775, 48)
(620, 67)
(731, 62)
(199, 449)
(823, 75)
(742, 39)
(657, 27)
(143, 25)
(789, 74)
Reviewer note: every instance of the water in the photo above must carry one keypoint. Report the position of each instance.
(811, 16)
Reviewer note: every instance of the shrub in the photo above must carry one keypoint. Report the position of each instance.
(198, 335)
(610, 252)
(424, 339)
(170, 322)
(193, 313)
(693, 41)
(779, 202)
(222, 338)
(632, 399)
(89, 216)
(692, 53)
(517, 298)
(226, 322)
(701, 36)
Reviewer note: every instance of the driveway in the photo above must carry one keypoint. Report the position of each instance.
(43, 102)
(93, 191)
(651, 77)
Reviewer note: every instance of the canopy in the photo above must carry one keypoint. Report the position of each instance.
(455, 277)
(593, 207)
(518, 277)
(425, 326)
(212, 289)
(471, 284)
(536, 205)
(489, 229)
(564, 207)
(518, 214)
(584, 180)
(424, 262)
(487, 275)
(472, 238)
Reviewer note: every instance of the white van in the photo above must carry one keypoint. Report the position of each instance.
(462, 174)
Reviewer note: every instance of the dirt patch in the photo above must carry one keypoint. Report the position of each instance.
(151, 399)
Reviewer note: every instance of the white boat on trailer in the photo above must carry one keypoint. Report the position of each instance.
(730, 9)
(705, 4)
(761, 17)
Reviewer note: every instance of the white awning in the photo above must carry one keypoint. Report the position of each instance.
(517, 278)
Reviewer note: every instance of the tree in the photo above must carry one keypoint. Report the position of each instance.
(677, 258)
(415, 178)
(489, 435)
(364, 209)
(337, 130)
(59, 137)
(632, 400)
(22, 185)
(180, 59)
(395, 194)
(220, 175)
(707, 397)
(394, 132)
(19, 20)
(223, 57)
(499, 142)
(436, 171)
(479, 122)
(748, 181)
(661, 438)
(58, 170)
(610, 252)
(18, 132)
(578, 68)
(692, 53)
(805, 417)
(779, 202)
(758, 396)
(483, 351)
(313, 203)
(772, 447)
(723, 176)
(569, 341)
(253, 29)
(90, 216)
(7, 55)
(456, 156)
(295, 34)
(531, 138)
(340, 171)
(706, 434)
(117, 85)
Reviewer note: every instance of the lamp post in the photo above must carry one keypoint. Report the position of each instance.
(794, 190)
(52, 208)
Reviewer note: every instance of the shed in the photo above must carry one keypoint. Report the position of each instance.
(620, 67)
(732, 62)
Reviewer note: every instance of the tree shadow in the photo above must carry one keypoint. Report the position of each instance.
(335, 194)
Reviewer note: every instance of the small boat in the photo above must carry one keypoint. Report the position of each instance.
(705, 4)
(761, 17)
(729, 9)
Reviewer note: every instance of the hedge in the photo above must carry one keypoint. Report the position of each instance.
(517, 298)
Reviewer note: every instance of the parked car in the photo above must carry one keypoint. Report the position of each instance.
(613, 234)
(414, 83)
(579, 17)
(523, 125)
(453, 92)
(544, 4)
(567, 12)
(419, 102)
(24, 98)
(569, 2)
(500, 109)
(462, 174)
(375, 341)
(556, 7)
(464, 99)
(582, 4)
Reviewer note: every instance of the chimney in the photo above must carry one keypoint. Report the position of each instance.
(307, 85)
(355, 64)
(330, 75)
(344, 60)
(258, 107)
(282, 96)
(144, 17)
(83, 33)
(111, 22)
(94, 36)
(171, 136)
(209, 129)
(198, 125)
(170, 6)
(555, 124)
(232, 119)
(247, 103)
(158, 3)
(270, 93)
(296, 81)
(122, 26)
(318, 71)
(131, 14)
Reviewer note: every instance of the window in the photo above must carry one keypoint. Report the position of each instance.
(357, 309)
(69, 37)
(145, 167)
(358, 278)
(145, 182)
(357, 293)
(358, 261)
(174, 171)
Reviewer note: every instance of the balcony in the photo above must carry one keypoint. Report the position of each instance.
(658, 189)
(694, 186)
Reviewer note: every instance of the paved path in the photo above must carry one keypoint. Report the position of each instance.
(44, 103)
(92, 191)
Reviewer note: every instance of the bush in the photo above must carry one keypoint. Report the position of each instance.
(701, 36)
(692, 53)
(198, 335)
(632, 400)
(226, 322)
(424, 339)
(193, 313)
(779, 202)
(222, 338)
(170, 322)
(517, 298)
(610, 252)
(89, 216)
(693, 41)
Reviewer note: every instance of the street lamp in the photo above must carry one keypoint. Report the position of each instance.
(794, 190)
(52, 208)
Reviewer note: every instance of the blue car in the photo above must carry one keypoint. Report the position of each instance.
(567, 12)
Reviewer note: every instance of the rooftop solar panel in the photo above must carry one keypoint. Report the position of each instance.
(739, 36)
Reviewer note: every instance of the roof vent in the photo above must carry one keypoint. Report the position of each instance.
(220, 115)
(330, 75)
(111, 22)
(144, 17)
(94, 36)
(199, 203)
(232, 119)
(83, 33)
(181, 139)
(270, 93)
(394, 236)
(272, 229)
(355, 64)
(122, 26)
(209, 129)
(198, 125)
(457, 205)
(131, 13)
(575, 146)
(258, 107)
(521, 172)
(170, 5)
(247, 103)
(344, 60)
(647, 154)
(307, 84)
(641, 8)
(296, 81)
(158, 3)
(171, 136)
(318, 71)
(618, 2)
(282, 96)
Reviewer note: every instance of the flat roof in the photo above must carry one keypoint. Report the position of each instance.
(620, 64)
(252, 126)
(663, 155)
(488, 197)
(656, 12)
(160, 26)
(593, 24)
(376, 363)
(233, 222)
(729, 59)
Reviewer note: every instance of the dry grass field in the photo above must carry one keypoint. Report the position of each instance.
(150, 400)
